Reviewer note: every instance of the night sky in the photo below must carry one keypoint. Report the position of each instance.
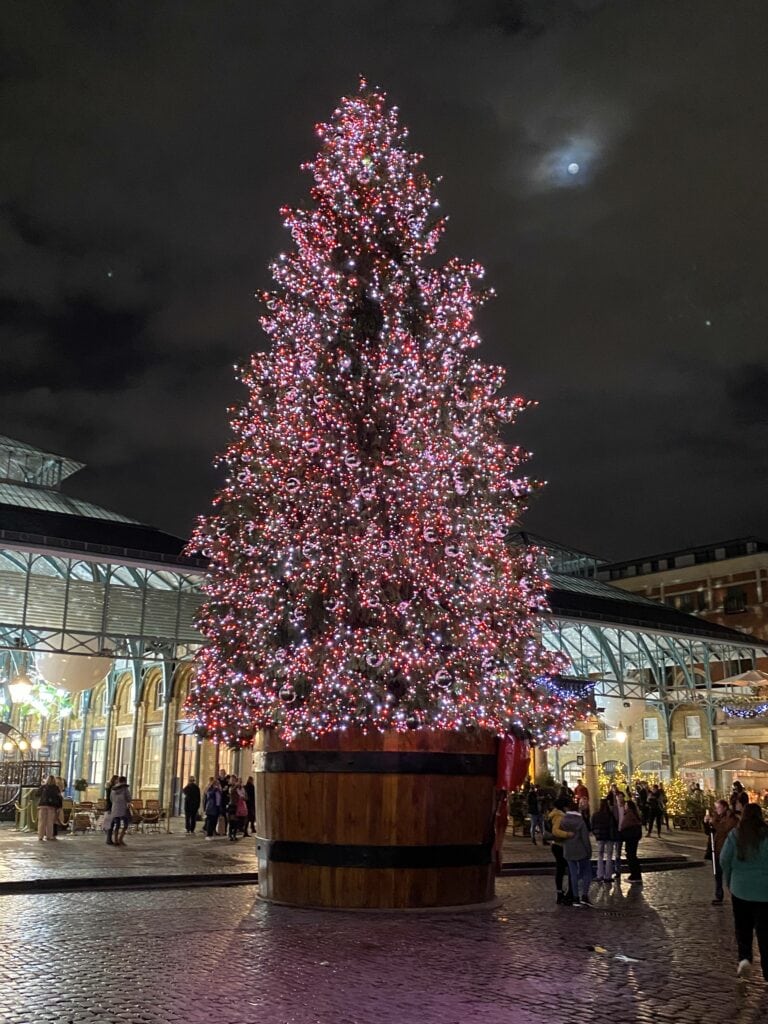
(607, 160)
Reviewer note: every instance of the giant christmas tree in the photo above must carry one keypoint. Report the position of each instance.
(361, 571)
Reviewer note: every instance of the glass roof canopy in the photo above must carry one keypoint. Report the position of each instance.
(32, 467)
(103, 587)
(639, 649)
(78, 578)
(59, 603)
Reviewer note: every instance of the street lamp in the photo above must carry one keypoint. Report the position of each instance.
(622, 736)
(19, 687)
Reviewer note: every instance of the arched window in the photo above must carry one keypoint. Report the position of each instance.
(572, 771)
(650, 766)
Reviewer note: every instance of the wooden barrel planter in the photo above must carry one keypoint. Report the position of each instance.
(377, 821)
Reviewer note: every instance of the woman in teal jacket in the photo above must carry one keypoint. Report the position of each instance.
(744, 861)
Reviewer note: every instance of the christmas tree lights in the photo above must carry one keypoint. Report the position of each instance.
(360, 570)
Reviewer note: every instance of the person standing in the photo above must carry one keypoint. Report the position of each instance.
(744, 861)
(121, 812)
(562, 875)
(717, 828)
(112, 782)
(224, 781)
(739, 797)
(250, 799)
(655, 810)
(534, 812)
(606, 833)
(580, 792)
(212, 808)
(630, 833)
(577, 850)
(565, 792)
(47, 810)
(237, 809)
(616, 801)
(643, 809)
(191, 805)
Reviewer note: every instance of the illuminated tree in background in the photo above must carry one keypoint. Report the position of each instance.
(360, 568)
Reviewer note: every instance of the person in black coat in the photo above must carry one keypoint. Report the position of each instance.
(250, 799)
(48, 809)
(191, 805)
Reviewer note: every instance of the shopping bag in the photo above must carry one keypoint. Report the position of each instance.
(106, 822)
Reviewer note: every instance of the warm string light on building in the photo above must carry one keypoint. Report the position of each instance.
(360, 567)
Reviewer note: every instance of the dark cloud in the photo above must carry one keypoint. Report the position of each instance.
(747, 392)
(148, 148)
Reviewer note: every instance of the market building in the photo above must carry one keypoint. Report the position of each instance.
(101, 608)
(97, 641)
(724, 583)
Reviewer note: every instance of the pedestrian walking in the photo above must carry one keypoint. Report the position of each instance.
(630, 833)
(191, 793)
(250, 799)
(212, 807)
(664, 805)
(121, 812)
(48, 809)
(562, 875)
(744, 861)
(534, 812)
(717, 828)
(606, 832)
(577, 850)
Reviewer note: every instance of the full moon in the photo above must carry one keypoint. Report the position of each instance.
(573, 168)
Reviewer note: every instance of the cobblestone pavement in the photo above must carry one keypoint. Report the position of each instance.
(23, 858)
(221, 955)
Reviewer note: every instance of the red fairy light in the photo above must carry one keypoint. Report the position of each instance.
(349, 569)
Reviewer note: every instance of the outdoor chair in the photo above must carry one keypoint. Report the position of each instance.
(65, 813)
(150, 819)
(137, 810)
(81, 822)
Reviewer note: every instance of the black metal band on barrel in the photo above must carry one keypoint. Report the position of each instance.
(381, 762)
(336, 855)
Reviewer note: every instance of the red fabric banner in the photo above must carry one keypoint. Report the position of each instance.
(514, 759)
